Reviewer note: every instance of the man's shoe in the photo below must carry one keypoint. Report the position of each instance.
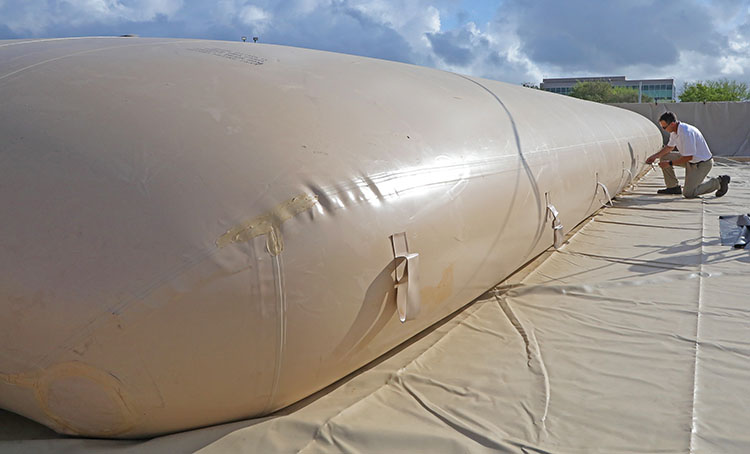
(724, 185)
(675, 190)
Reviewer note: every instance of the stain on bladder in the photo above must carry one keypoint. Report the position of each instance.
(268, 224)
(79, 399)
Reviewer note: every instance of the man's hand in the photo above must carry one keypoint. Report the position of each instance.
(659, 154)
(664, 164)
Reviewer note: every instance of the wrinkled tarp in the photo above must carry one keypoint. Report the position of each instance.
(634, 337)
(723, 124)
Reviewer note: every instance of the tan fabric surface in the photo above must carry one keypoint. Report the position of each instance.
(632, 338)
(200, 231)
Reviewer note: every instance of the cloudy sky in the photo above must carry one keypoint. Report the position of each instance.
(511, 40)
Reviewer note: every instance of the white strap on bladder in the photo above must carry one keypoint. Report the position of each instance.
(408, 300)
(557, 227)
(606, 192)
(630, 180)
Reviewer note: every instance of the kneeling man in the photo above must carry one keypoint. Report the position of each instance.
(693, 154)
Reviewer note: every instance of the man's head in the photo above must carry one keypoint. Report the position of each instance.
(668, 121)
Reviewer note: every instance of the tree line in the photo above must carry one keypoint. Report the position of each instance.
(715, 90)
(700, 91)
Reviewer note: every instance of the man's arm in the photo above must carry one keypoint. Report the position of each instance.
(659, 154)
(677, 162)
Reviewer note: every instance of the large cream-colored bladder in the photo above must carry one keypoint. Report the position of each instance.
(195, 232)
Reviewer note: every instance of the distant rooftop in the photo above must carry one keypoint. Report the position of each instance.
(583, 79)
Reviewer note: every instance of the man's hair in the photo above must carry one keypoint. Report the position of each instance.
(668, 117)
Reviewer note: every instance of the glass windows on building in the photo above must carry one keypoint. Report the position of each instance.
(561, 90)
(658, 91)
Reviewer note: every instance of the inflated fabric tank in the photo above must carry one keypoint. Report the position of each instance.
(196, 231)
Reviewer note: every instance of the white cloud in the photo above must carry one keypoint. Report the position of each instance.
(525, 41)
(256, 17)
(733, 66)
(411, 19)
(131, 10)
(250, 14)
(42, 17)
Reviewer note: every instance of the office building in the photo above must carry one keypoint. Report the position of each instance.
(659, 89)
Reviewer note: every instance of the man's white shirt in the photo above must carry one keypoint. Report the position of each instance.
(690, 142)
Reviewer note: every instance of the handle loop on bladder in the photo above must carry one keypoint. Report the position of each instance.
(408, 299)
